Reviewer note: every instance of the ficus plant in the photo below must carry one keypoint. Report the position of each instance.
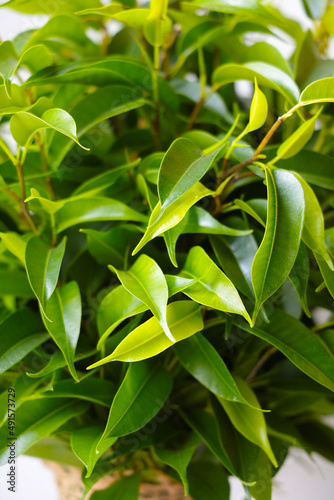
(167, 241)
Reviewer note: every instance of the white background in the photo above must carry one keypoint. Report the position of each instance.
(301, 478)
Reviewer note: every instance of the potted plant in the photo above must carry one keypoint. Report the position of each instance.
(166, 240)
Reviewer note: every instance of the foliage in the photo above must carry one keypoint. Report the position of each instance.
(166, 241)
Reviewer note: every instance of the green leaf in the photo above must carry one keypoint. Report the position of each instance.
(146, 281)
(183, 165)
(314, 225)
(249, 208)
(279, 248)
(179, 458)
(162, 220)
(104, 180)
(37, 419)
(92, 389)
(92, 109)
(125, 488)
(142, 393)
(200, 358)
(299, 277)
(119, 69)
(20, 333)
(258, 111)
(317, 92)
(111, 247)
(197, 221)
(43, 267)
(24, 125)
(15, 244)
(57, 361)
(184, 319)
(293, 144)
(266, 75)
(248, 421)
(63, 319)
(83, 444)
(17, 102)
(119, 305)
(205, 425)
(212, 287)
(208, 479)
(15, 282)
(301, 346)
(80, 210)
(35, 7)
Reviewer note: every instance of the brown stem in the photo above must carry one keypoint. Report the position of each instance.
(260, 363)
(268, 136)
(194, 113)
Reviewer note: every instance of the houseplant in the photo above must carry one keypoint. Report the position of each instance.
(136, 174)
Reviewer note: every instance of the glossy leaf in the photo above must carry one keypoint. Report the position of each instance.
(212, 287)
(314, 226)
(20, 333)
(142, 393)
(266, 75)
(279, 248)
(318, 91)
(162, 220)
(258, 111)
(43, 267)
(91, 389)
(297, 140)
(248, 421)
(183, 165)
(184, 319)
(299, 345)
(201, 359)
(41, 418)
(83, 444)
(146, 281)
(63, 319)
(24, 125)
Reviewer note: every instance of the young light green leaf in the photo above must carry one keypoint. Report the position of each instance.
(24, 125)
(279, 248)
(201, 359)
(314, 225)
(148, 339)
(293, 144)
(212, 287)
(43, 267)
(301, 346)
(142, 393)
(15, 244)
(183, 165)
(62, 320)
(258, 111)
(146, 281)
(248, 421)
(179, 458)
(38, 419)
(318, 91)
(20, 333)
(162, 220)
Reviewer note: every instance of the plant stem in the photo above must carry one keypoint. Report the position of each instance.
(45, 165)
(194, 114)
(268, 136)
(269, 352)
(7, 151)
(24, 210)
